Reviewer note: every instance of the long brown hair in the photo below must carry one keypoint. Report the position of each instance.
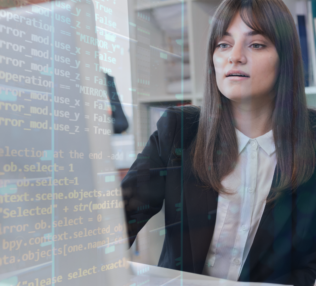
(215, 151)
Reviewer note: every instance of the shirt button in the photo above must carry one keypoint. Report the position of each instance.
(250, 190)
(236, 261)
(253, 143)
(253, 155)
(244, 227)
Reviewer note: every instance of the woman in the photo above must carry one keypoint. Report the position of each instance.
(238, 176)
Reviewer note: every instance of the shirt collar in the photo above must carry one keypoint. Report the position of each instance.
(266, 141)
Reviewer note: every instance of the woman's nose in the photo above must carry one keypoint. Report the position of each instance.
(237, 55)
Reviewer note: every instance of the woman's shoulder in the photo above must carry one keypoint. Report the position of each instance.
(189, 112)
(182, 121)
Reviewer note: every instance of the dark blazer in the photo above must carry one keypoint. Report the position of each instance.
(284, 248)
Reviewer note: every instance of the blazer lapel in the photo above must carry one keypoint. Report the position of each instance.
(201, 206)
(275, 216)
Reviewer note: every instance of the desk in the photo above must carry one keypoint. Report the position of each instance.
(148, 275)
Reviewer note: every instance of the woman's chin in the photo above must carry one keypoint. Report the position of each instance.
(238, 97)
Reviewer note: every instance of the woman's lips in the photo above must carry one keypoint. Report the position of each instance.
(237, 78)
(237, 75)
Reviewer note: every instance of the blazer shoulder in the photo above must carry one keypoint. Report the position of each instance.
(184, 121)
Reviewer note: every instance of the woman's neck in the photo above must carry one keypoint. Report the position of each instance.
(253, 119)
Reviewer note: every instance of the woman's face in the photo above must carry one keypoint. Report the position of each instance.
(246, 63)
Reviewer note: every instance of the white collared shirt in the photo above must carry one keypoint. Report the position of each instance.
(238, 215)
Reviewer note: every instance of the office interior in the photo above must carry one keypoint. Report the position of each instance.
(178, 38)
(156, 61)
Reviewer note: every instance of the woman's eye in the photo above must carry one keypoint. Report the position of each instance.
(257, 46)
(222, 46)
